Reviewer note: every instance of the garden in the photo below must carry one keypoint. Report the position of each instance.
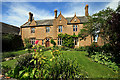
(60, 62)
(67, 62)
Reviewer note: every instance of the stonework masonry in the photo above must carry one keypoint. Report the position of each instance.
(67, 25)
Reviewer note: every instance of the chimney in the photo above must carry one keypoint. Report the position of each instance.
(55, 11)
(86, 10)
(30, 16)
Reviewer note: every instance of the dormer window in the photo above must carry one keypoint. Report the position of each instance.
(75, 20)
(60, 18)
(33, 30)
(74, 27)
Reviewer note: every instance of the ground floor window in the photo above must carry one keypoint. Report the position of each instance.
(59, 41)
(42, 42)
(75, 41)
(32, 41)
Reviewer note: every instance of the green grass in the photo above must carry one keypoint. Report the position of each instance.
(94, 70)
(10, 63)
(13, 53)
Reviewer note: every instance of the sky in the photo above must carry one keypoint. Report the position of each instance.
(16, 13)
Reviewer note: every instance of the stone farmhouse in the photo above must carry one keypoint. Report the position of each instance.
(45, 30)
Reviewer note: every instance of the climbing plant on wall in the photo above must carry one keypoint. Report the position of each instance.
(67, 40)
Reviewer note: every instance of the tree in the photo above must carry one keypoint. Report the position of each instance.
(96, 25)
(106, 24)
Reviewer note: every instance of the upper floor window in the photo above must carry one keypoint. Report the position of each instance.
(33, 30)
(75, 41)
(60, 28)
(32, 41)
(74, 27)
(47, 29)
(60, 18)
(59, 41)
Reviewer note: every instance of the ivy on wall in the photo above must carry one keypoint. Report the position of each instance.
(68, 40)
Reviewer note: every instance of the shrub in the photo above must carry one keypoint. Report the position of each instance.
(24, 60)
(80, 49)
(14, 41)
(27, 43)
(5, 69)
(53, 42)
(102, 59)
(92, 49)
(107, 48)
(41, 66)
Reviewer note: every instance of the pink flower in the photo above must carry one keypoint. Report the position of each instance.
(96, 46)
(35, 50)
(36, 41)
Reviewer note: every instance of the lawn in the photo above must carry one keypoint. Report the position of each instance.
(94, 70)
(13, 53)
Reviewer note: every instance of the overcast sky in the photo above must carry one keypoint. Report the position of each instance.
(16, 13)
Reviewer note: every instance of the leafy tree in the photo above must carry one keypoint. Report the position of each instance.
(96, 23)
(106, 24)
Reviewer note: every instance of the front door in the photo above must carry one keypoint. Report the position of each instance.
(47, 43)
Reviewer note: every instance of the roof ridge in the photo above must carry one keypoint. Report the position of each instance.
(44, 19)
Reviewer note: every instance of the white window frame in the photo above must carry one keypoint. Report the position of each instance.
(59, 41)
(59, 28)
(75, 28)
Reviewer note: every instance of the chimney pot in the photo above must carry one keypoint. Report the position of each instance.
(86, 10)
(55, 11)
(30, 16)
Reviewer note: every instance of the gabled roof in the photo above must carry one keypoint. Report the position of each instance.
(83, 19)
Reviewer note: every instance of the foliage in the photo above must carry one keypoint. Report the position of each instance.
(41, 66)
(106, 24)
(107, 48)
(102, 59)
(53, 42)
(80, 49)
(14, 41)
(24, 60)
(65, 68)
(68, 40)
(27, 43)
(5, 69)
(92, 49)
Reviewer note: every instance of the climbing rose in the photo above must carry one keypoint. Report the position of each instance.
(36, 41)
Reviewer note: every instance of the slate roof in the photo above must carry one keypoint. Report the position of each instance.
(9, 29)
(45, 22)
(83, 19)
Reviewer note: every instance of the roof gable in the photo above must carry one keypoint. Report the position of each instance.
(75, 19)
(33, 23)
(61, 16)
